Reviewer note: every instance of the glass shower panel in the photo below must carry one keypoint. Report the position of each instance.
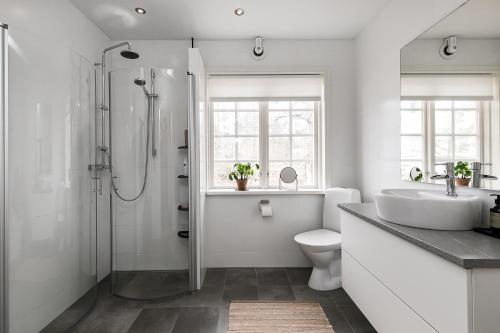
(51, 206)
(149, 259)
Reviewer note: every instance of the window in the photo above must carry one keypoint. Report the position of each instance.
(274, 131)
(440, 131)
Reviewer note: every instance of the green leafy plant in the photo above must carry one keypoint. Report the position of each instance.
(242, 171)
(462, 170)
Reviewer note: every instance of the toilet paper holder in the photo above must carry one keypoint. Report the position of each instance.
(263, 202)
(265, 208)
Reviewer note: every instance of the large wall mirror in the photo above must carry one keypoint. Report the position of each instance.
(450, 98)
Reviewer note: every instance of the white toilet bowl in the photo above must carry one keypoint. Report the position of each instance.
(322, 246)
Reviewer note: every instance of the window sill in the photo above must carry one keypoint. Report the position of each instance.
(231, 192)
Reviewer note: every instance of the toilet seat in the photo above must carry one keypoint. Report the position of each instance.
(319, 240)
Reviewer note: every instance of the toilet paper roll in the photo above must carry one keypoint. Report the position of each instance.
(266, 210)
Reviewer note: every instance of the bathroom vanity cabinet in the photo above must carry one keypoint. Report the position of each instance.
(417, 280)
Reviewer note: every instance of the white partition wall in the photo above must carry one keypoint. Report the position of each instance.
(3, 113)
(198, 165)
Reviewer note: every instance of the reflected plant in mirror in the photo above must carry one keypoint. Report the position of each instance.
(450, 104)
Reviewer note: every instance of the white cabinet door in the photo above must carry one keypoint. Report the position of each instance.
(434, 288)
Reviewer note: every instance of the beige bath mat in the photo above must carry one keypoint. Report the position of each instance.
(277, 317)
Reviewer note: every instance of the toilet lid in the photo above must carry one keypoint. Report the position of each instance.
(320, 237)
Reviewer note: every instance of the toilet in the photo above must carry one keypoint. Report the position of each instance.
(322, 246)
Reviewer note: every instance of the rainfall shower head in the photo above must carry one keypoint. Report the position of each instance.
(129, 54)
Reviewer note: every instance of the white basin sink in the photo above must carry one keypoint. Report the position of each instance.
(428, 209)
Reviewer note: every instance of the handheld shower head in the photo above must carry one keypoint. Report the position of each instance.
(140, 82)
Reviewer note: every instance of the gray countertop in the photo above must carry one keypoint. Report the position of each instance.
(467, 249)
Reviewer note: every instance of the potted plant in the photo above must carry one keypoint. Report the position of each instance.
(462, 174)
(241, 172)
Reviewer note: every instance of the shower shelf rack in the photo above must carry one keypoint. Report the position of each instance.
(183, 147)
(182, 208)
(183, 234)
(182, 177)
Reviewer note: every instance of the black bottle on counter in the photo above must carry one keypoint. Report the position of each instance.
(495, 213)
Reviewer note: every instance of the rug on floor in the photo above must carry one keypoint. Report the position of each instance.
(277, 317)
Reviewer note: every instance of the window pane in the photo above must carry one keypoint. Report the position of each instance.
(302, 122)
(274, 172)
(411, 122)
(465, 105)
(224, 123)
(221, 173)
(224, 148)
(279, 148)
(304, 172)
(224, 106)
(411, 104)
(279, 122)
(309, 105)
(302, 148)
(279, 105)
(442, 122)
(411, 147)
(466, 147)
(248, 149)
(442, 104)
(248, 123)
(443, 150)
(465, 122)
(248, 105)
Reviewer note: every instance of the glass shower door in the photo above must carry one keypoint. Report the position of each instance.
(149, 259)
(50, 219)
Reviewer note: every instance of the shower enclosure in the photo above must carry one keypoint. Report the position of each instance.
(149, 260)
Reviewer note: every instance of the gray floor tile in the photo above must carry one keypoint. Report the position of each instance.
(271, 277)
(298, 276)
(275, 293)
(155, 321)
(223, 319)
(340, 297)
(240, 293)
(304, 293)
(207, 296)
(356, 319)
(241, 277)
(197, 320)
(337, 319)
(215, 277)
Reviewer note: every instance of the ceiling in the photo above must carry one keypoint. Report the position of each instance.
(478, 19)
(214, 19)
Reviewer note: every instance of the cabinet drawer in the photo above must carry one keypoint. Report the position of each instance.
(434, 288)
(386, 312)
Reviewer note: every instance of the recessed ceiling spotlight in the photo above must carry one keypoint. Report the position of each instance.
(140, 10)
(239, 11)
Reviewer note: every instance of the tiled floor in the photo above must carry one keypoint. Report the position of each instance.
(207, 310)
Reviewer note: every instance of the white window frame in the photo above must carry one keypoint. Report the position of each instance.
(264, 140)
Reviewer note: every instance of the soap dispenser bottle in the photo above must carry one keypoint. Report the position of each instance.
(495, 213)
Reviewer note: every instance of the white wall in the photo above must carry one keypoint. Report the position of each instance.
(378, 86)
(51, 239)
(236, 234)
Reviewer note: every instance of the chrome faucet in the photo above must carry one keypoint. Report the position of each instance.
(477, 175)
(450, 178)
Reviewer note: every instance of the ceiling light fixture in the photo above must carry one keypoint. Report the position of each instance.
(140, 10)
(239, 11)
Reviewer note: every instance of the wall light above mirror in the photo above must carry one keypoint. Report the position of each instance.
(450, 96)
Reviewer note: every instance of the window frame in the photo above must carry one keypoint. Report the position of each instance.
(264, 140)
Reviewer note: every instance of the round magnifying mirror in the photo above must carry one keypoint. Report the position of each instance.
(288, 175)
(416, 174)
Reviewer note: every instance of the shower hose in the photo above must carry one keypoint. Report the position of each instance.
(113, 185)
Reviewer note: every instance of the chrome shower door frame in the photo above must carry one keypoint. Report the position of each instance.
(3, 178)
